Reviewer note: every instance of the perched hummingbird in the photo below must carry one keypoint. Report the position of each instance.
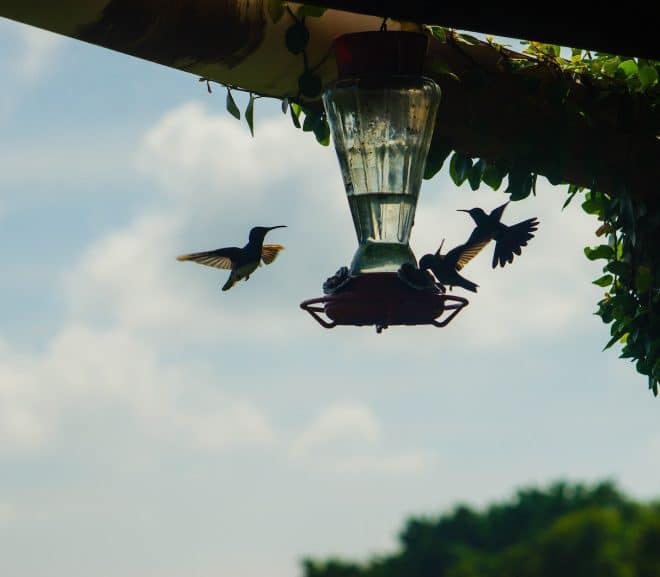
(445, 267)
(509, 240)
(242, 261)
(416, 277)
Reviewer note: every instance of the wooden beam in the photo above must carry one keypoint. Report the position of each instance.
(588, 135)
(602, 30)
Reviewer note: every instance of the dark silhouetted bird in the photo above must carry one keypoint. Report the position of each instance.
(509, 240)
(416, 277)
(445, 267)
(242, 261)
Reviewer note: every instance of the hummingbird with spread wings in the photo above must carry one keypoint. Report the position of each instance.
(241, 261)
(509, 240)
(445, 267)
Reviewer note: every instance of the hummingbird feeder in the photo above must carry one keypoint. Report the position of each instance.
(381, 112)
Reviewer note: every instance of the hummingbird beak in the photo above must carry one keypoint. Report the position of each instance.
(278, 226)
(461, 210)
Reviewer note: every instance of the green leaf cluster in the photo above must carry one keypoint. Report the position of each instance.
(568, 529)
(312, 121)
(631, 304)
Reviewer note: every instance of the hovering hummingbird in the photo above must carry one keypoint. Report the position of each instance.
(509, 240)
(242, 261)
(445, 267)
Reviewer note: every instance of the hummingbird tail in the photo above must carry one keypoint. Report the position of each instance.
(231, 281)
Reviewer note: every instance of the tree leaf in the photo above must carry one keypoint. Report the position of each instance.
(648, 76)
(438, 32)
(294, 109)
(459, 168)
(249, 114)
(275, 9)
(313, 11)
(618, 267)
(604, 281)
(231, 106)
(602, 251)
(467, 39)
(312, 119)
(322, 131)
(614, 339)
(520, 184)
(628, 67)
(610, 65)
(438, 153)
(474, 174)
(572, 191)
(492, 175)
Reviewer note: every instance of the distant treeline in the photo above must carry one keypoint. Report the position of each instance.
(568, 530)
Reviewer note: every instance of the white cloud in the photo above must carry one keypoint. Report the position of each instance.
(202, 157)
(38, 51)
(347, 438)
(84, 368)
(30, 56)
(343, 422)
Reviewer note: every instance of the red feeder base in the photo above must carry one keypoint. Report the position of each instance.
(383, 299)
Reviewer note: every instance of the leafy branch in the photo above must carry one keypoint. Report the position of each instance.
(629, 225)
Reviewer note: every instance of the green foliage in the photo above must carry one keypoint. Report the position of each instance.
(249, 114)
(631, 304)
(312, 11)
(521, 184)
(438, 153)
(567, 530)
(275, 9)
(231, 106)
(459, 168)
(296, 40)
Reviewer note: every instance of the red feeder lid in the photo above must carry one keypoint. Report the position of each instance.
(376, 53)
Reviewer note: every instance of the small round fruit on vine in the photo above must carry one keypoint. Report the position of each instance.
(309, 84)
(296, 38)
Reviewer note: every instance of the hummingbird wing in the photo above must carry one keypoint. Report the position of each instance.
(220, 258)
(269, 252)
(511, 239)
(464, 253)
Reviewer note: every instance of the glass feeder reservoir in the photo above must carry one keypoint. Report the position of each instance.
(381, 114)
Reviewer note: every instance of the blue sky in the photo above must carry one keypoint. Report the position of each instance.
(153, 426)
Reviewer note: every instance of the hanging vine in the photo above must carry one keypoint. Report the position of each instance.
(630, 226)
